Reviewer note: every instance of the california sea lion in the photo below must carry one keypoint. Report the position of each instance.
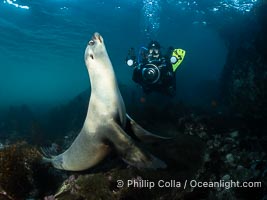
(105, 123)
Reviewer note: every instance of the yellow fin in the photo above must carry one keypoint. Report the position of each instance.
(179, 54)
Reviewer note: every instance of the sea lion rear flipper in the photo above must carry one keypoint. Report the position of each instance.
(142, 134)
(130, 152)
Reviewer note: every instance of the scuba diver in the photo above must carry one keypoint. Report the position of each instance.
(153, 71)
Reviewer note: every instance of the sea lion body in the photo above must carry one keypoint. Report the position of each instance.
(104, 126)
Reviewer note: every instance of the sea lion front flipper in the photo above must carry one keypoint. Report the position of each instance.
(142, 134)
(130, 152)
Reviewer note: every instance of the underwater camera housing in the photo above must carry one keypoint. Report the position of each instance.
(150, 73)
(144, 73)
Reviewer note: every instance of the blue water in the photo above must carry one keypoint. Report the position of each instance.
(42, 43)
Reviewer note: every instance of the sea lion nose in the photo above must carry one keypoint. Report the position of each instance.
(97, 36)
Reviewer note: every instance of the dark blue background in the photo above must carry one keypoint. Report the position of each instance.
(42, 48)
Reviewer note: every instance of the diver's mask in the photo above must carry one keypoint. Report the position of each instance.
(154, 52)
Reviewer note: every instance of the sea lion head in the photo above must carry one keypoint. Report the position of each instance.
(95, 50)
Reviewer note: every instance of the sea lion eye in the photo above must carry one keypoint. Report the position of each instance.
(91, 56)
(91, 42)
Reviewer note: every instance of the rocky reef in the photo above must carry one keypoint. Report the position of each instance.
(208, 149)
(244, 78)
(22, 174)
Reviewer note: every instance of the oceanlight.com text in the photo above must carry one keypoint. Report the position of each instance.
(143, 183)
